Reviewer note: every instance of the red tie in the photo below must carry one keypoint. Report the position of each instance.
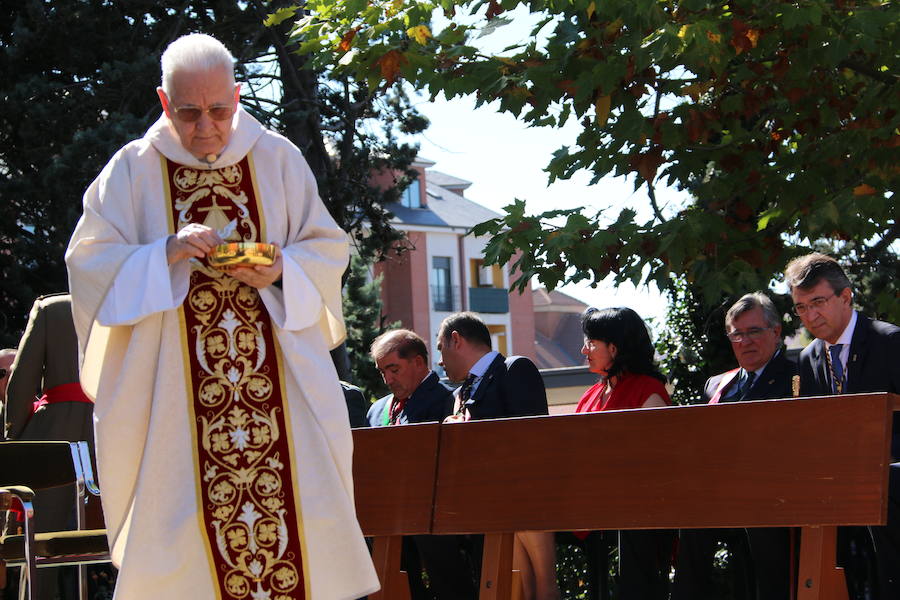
(396, 409)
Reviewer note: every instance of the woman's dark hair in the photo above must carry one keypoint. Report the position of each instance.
(627, 331)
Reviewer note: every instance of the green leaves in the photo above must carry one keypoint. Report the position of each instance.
(280, 15)
(781, 125)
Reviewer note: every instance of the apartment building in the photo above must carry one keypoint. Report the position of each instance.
(445, 271)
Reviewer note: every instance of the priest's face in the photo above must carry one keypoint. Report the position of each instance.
(201, 109)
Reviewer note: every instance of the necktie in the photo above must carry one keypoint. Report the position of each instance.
(396, 408)
(465, 393)
(837, 368)
(748, 383)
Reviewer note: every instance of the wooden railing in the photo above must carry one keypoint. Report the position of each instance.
(813, 463)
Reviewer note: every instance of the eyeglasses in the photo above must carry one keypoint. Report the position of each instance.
(192, 114)
(754, 333)
(815, 303)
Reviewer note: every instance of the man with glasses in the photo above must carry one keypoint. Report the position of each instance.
(851, 354)
(223, 441)
(753, 326)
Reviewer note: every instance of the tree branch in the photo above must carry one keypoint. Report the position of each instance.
(651, 191)
(887, 78)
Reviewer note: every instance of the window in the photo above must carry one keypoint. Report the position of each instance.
(441, 291)
(410, 197)
(485, 276)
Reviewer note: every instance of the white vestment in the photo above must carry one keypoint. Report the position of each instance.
(125, 302)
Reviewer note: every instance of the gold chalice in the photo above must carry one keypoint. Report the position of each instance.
(242, 253)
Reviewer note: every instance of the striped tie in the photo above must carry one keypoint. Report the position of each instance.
(837, 368)
(748, 383)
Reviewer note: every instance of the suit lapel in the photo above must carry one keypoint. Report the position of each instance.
(764, 388)
(417, 402)
(821, 367)
(858, 349)
(489, 378)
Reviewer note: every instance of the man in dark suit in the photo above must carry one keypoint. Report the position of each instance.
(418, 396)
(851, 354)
(493, 387)
(753, 326)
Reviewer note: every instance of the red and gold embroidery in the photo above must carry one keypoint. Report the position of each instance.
(250, 511)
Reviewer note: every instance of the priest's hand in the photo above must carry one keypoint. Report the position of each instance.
(258, 276)
(194, 241)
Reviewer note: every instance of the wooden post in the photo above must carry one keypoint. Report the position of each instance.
(819, 578)
(386, 556)
(496, 567)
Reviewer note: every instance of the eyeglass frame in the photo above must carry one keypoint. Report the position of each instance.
(232, 108)
(754, 333)
(816, 303)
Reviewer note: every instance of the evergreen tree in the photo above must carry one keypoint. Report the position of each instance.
(364, 321)
(66, 107)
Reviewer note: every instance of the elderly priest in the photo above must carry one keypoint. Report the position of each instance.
(222, 437)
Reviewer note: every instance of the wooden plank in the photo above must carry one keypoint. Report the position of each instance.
(496, 568)
(393, 478)
(819, 578)
(807, 461)
(386, 558)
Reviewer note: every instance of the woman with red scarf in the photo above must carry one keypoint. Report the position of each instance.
(618, 349)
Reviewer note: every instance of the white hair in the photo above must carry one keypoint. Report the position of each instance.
(195, 52)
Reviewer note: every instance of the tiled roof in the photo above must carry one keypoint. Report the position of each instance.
(444, 180)
(556, 300)
(445, 209)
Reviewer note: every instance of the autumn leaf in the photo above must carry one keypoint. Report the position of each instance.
(601, 109)
(647, 163)
(390, 65)
(420, 33)
(590, 10)
(493, 10)
(753, 36)
(347, 40)
(613, 28)
(568, 86)
(864, 190)
(744, 38)
(394, 8)
(697, 128)
(695, 90)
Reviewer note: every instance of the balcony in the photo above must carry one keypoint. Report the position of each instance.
(488, 300)
(445, 298)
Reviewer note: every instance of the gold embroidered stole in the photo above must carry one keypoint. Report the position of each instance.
(249, 509)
